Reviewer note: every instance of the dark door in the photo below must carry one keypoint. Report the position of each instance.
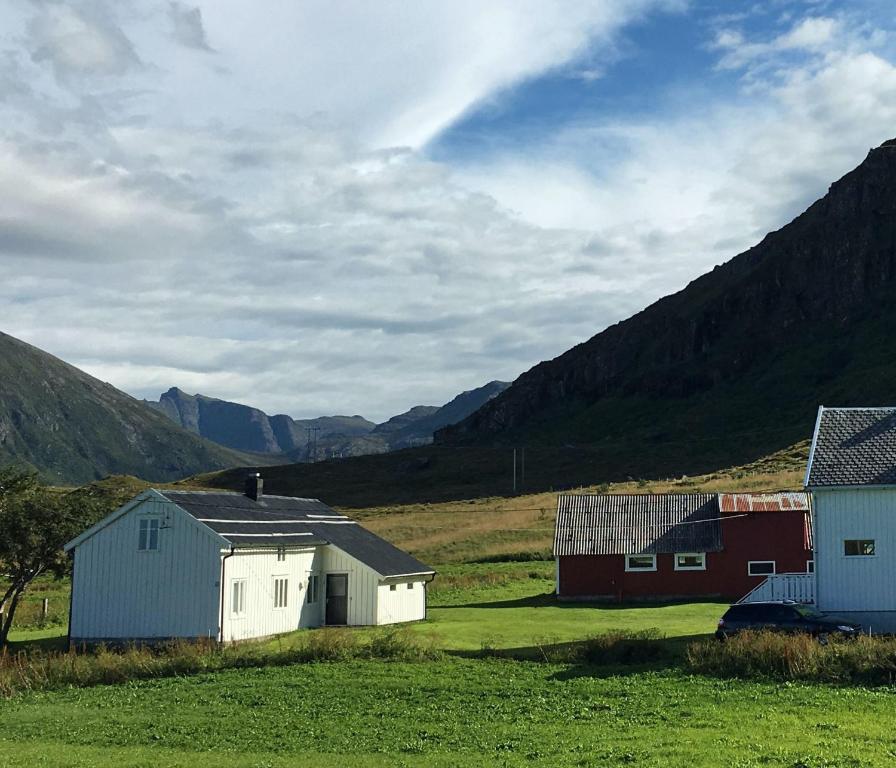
(337, 598)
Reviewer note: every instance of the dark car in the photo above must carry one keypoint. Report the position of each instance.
(783, 616)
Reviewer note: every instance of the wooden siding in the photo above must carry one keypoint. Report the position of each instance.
(855, 583)
(362, 584)
(402, 604)
(119, 592)
(259, 568)
(778, 536)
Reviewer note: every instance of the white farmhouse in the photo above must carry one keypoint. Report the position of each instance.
(230, 566)
(852, 478)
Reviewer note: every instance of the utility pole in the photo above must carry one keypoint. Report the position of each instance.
(312, 443)
(514, 470)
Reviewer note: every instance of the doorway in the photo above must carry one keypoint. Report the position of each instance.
(337, 599)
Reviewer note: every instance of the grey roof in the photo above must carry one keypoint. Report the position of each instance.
(620, 524)
(853, 446)
(281, 521)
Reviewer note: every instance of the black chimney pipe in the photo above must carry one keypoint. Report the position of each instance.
(254, 486)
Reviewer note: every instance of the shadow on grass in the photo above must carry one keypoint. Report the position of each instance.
(46, 644)
(550, 599)
(606, 655)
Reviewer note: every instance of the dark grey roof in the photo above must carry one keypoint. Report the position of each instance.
(279, 521)
(853, 446)
(617, 524)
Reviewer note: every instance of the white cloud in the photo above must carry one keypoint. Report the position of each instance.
(261, 225)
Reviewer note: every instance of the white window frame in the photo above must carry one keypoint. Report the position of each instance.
(810, 566)
(238, 605)
(393, 587)
(701, 567)
(860, 557)
(281, 554)
(145, 534)
(751, 563)
(410, 585)
(312, 596)
(281, 592)
(640, 570)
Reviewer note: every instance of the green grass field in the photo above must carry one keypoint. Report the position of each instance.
(465, 709)
(457, 712)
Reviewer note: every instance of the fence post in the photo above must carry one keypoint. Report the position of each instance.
(44, 608)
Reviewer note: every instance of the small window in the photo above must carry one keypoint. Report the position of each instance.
(690, 561)
(640, 562)
(761, 568)
(148, 540)
(810, 566)
(858, 548)
(238, 597)
(312, 589)
(281, 554)
(281, 592)
(410, 585)
(393, 587)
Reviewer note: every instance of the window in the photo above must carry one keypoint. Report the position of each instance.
(312, 588)
(760, 568)
(281, 554)
(690, 561)
(640, 562)
(238, 597)
(148, 541)
(810, 566)
(393, 587)
(281, 589)
(858, 548)
(410, 585)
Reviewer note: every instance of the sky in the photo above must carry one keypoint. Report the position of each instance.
(356, 207)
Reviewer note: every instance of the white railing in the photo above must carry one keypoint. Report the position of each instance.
(799, 587)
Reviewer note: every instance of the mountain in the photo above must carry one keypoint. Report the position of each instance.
(736, 364)
(73, 428)
(244, 428)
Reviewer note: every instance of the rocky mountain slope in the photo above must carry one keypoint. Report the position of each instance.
(736, 364)
(74, 428)
(244, 428)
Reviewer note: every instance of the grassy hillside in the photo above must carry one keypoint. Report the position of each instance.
(446, 473)
(734, 365)
(73, 428)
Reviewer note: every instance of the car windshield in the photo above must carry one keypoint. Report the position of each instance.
(806, 612)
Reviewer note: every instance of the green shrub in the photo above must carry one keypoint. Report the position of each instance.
(772, 655)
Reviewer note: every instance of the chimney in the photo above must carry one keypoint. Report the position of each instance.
(254, 486)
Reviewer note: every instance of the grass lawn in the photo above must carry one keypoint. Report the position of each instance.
(457, 712)
(462, 711)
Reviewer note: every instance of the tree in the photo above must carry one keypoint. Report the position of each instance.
(35, 523)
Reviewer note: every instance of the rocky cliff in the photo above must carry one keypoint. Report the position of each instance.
(744, 354)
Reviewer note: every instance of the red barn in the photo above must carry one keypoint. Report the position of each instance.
(678, 546)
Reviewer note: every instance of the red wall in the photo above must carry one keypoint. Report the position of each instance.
(778, 536)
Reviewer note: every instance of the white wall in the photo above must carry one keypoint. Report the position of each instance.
(844, 583)
(121, 593)
(401, 604)
(258, 568)
(362, 584)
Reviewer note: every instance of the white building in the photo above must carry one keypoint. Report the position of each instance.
(229, 566)
(852, 478)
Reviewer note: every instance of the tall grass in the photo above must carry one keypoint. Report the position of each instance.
(36, 670)
(770, 655)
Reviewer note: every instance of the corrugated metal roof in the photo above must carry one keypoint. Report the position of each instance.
(281, 521)
(853, 446)
(618, 524)
(763, 502)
